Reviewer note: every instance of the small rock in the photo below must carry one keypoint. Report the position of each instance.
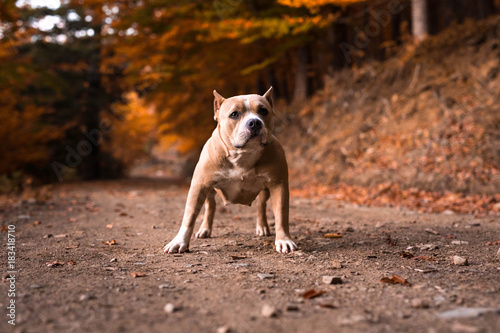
(170, 308)
(223, 329)
(498, 253)
(458, 242)
(113, 260)
(461, 328)
(459, 261)
(419, 303)
(466, 312)
(264, 276)
(427, 246)
(163, 286)
(291, 307)
(336, 264)
(84, 297)
(35, 286)
(332, 279)
(268, 311)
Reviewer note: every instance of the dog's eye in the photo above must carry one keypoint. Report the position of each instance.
(234, 115)
(263, 112)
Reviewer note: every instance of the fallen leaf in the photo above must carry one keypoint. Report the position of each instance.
(237, 257)
(110, 226)
(138, 274)
(110, 242)
(313, 293)
(449, 236)
(431, 231)
(110, 268)
(333, 235)
(390, 241)
(406, 254)
(54, 264)
(5, 228)
(327, 305)
(395, 280)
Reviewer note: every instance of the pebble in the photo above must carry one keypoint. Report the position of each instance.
(498, 253)
(466, 312)
(419, 303)
(458, 242)
(223, 329)
(427, 246)
(268, 311)
(460, 261)
(170, 308)
(336, 264)
(332, 279)
(163, 286)
(113, 260)
(264, 276)
(84, 297)
(461, 328)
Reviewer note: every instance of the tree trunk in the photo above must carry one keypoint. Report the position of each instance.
(419, 19)
(485, 8)
(300, 90)
(91, 115)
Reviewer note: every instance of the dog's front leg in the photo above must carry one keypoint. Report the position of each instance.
(206, 226)
(196, 197)
(280, 198)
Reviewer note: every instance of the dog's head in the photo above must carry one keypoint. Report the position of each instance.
(245, 119)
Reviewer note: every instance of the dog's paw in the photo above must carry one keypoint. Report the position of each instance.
(203, 233)
(176, 246)
(285, 245)
(262, 231)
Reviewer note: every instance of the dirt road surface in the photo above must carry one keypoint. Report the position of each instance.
(69, 279)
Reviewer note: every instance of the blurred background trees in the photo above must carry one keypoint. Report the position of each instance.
(88, 87)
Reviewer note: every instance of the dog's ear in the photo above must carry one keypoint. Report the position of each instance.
(269, 96)
(217, 103)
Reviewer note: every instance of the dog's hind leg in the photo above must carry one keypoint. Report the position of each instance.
(262, 228)
(206, 227)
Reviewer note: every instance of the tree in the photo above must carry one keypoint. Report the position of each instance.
(419, 19)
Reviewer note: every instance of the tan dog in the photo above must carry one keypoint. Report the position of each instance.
(242, 159)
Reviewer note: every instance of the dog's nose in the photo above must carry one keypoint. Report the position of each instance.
(254, 124)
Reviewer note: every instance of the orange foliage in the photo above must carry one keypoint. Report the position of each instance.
(317, 3)
(134, 131)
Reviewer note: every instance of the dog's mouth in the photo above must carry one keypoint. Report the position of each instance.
(250, 137)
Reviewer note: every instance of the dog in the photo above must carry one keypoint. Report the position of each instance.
(240, 161)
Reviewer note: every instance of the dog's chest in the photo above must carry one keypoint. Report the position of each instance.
(239, 186)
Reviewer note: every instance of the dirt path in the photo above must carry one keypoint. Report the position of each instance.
(223, 284)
